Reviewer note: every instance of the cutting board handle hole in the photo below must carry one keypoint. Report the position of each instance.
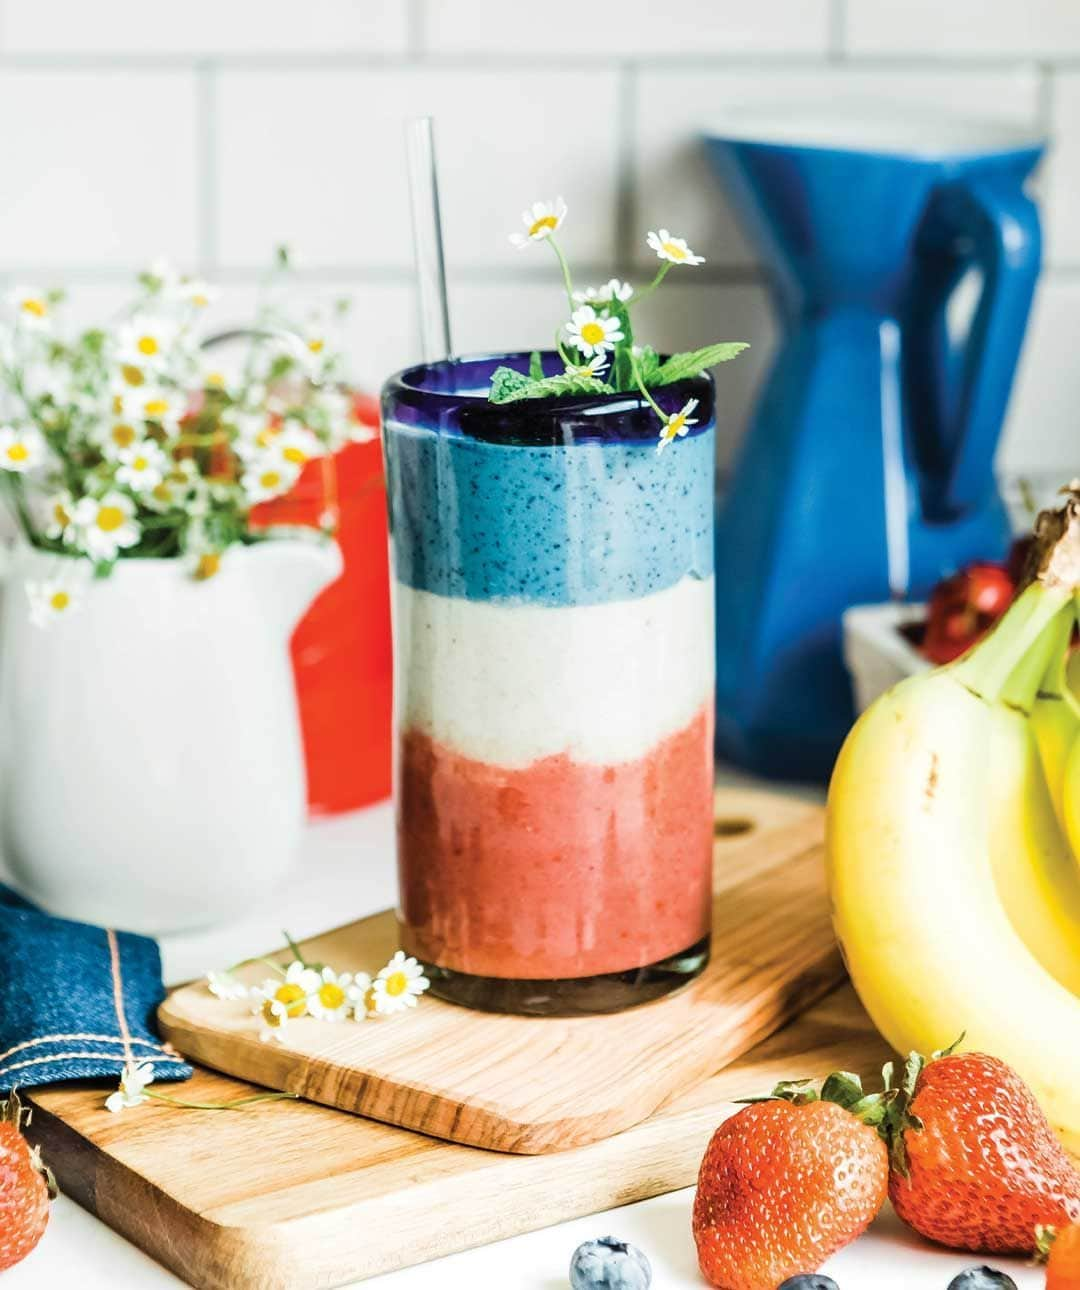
(732, 826)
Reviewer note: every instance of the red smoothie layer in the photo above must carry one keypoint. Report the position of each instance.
(560, 869)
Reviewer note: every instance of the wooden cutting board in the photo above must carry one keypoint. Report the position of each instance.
(531, 1085)
(294, 1196)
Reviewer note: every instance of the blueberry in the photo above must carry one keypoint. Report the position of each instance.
(813, 1282)
(609, 1264)
(983, 1278)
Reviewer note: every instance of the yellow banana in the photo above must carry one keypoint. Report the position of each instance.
(1037, 878)
(918, 824)
(1055, 722)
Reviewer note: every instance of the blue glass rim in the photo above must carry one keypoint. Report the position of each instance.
(450, 397)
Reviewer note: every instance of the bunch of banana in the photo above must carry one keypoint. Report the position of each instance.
(955, 889)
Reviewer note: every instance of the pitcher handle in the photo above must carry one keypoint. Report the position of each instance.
(993, 225)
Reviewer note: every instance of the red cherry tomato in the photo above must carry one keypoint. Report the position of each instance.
(962, 608)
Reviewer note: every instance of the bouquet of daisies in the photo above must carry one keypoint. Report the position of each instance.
(132, 440)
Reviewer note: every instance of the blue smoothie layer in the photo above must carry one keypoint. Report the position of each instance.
(580, 524)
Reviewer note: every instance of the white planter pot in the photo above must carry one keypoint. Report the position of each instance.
(876, 654)
(152, 771)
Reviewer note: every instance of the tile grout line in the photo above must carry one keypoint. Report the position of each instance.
(84, 275)
(837, 31)
(415, 29)
(334, 60)
(207, 167)
(1044, 108)
(626, 101)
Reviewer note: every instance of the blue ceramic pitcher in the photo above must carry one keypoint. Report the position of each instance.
(868, 469)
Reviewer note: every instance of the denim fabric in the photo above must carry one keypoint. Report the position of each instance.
(76, 1001)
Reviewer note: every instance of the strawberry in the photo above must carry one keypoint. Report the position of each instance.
(975, 1163)
(26, 1187)
(787, 1182)
(1061, 1252)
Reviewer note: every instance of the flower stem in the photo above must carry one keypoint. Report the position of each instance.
(661, 274)
(567, 360)
(236, 1105)
(18, 501)
(565, 272)
(647, 396)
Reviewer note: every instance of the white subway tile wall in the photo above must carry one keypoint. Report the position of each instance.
(213, 130)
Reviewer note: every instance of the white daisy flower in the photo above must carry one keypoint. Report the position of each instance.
(145, 340)
(133, 1080)
(268, 476)
(57, 516)
(164, 273)
(162, 407)
(337, 994)
(212, 374)
(44, 381)
(204, 565)
(195, 292)
(223, 985)
(50, 600)
(677, 426)
(32, 308)
(118, 435)
(293, 990)
(132, 377)
(106, 525)
(398, 986)
(274, 1017)
(295, 445)
(334, 414)
(593, 367)
(540, 220)
(255, 432)
(592, 333)
(613, 289)
(315, 344)
(175, 489)
(21, 448)
(672, 248)
(142, 466)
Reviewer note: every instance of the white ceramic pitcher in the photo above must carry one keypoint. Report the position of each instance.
(153, 776)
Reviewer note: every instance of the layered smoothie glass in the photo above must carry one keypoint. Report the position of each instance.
(552, 577)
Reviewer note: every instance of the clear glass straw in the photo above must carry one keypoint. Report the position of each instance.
(427, 240)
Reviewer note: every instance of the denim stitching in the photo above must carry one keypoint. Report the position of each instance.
(101, 1057)
(56, 1039)
(118, 994)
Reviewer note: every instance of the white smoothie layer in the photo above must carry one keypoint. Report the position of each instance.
(509, 684)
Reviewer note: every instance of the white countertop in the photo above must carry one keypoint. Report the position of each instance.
(346, 871)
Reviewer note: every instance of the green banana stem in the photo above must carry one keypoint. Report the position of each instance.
(1054, 684)
(988, 668)
(1046, 656)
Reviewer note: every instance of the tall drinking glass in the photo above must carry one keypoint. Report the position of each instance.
(553, 624)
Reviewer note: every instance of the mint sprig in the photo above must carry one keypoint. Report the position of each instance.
(600, 328)
(509, 386)
(680, 367)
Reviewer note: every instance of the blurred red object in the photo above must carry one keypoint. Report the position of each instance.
(962, 608)
(341, 650)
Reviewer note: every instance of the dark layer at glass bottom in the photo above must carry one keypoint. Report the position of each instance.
(570, 996)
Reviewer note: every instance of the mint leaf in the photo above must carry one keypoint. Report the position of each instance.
(536, 366)
(680, 366)
(648, 362)
(622, 368)
(553, 386)
(506, 385)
